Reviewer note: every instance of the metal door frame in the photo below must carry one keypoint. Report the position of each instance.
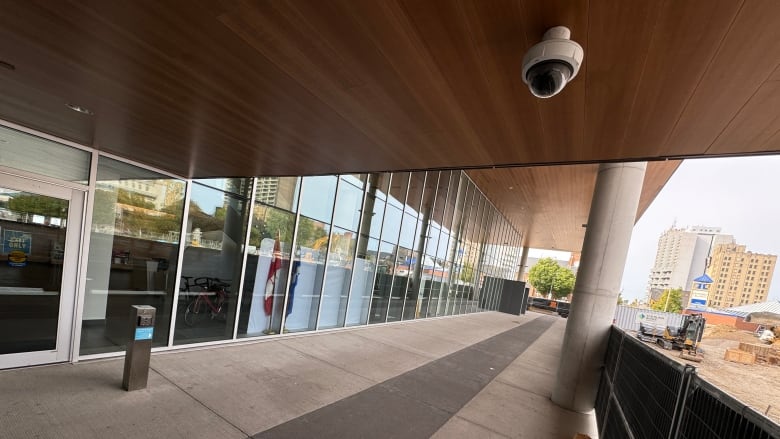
(76, 198)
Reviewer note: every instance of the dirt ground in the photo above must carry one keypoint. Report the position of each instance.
(756, 385)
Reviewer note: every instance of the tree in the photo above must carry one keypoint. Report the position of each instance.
(564, 283)
(549, 277)
(467, 273)
(670, 301)
(39, 205)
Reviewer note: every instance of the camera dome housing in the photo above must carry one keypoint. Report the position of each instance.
(549, 65)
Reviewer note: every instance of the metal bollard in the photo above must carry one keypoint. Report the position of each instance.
(139, 347)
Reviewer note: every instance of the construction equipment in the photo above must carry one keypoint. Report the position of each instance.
(685, 338)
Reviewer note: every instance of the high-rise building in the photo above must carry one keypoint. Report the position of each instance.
(739, 277)
(682, 256)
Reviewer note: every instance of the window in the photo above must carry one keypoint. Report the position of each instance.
(133, 251)
(213, 255)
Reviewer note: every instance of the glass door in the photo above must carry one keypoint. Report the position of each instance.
(40, 228)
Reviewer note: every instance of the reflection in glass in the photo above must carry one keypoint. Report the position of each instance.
(24, 151)
(33, 243)
(383, 283)
(348, 203)
(267, 266)
(338, 275)
(317, 197)
(281, 192)
(399, 290)
(308, 271)
(216, 230)
(362, 281)
(133, 250)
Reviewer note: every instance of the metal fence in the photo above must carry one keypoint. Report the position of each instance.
(626, 317)
(644, 394)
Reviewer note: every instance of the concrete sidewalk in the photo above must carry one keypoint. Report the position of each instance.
(471, 376)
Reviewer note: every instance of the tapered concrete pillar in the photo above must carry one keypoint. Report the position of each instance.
(523, 263)
(611, 220)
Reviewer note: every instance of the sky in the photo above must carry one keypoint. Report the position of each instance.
(739, 195)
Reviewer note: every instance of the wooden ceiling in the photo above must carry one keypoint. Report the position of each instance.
(229, 88)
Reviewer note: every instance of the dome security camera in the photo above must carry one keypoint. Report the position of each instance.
(549, 65)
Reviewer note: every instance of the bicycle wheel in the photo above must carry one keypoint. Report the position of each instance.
(196, 312)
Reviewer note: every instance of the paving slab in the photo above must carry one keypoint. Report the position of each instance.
(260, 385)
(434, 392)
(458, 427)
(519, 413)
(87, 401)
(375, 361)
(413, 379)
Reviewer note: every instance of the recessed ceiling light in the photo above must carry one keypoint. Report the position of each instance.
(80, 109)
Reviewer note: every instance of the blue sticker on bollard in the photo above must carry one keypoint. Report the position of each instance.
(144, 333)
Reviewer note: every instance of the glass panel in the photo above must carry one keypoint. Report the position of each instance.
(308, 272)
(425, 241)
(265, 278)
(237, 186)
(414, 196)
(348, 203)
(374, 203)
(216, 229)
(392, 224)
(362, 281)
(382, 285)
(317, 198)
(398, 187)
(133, 250)
(382, 182)
(24, 151)
(337, 279)
(400, 283)
(281, 192)
(33, 232)
(408, 226)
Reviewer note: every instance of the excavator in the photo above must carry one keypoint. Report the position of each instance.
(685, 338)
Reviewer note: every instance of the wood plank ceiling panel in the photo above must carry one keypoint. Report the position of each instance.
(550, 204)
(685, 38)
(755, 125)
(618, 40)
(257, 87)
(162, 83)
(470, 45)
(749, 54)
(562, 118)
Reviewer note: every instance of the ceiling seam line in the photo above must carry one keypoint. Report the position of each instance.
(703, 74)
(742, 107)
(653, 35)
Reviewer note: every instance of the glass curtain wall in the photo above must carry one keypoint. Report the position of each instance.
(268, 256)
(432, 264)
(312, 242)
(340, 261)
(394, 232)
(213, 255)
(133, 253)
(322, 252)
(365, 271)
(448, 241)
(413, 224)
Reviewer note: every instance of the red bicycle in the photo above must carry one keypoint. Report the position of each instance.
(211, 303)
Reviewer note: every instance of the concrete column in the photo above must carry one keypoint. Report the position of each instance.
(523, 263)
(611, 220)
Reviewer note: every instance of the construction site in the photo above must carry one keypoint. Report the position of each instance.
(738, 362)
